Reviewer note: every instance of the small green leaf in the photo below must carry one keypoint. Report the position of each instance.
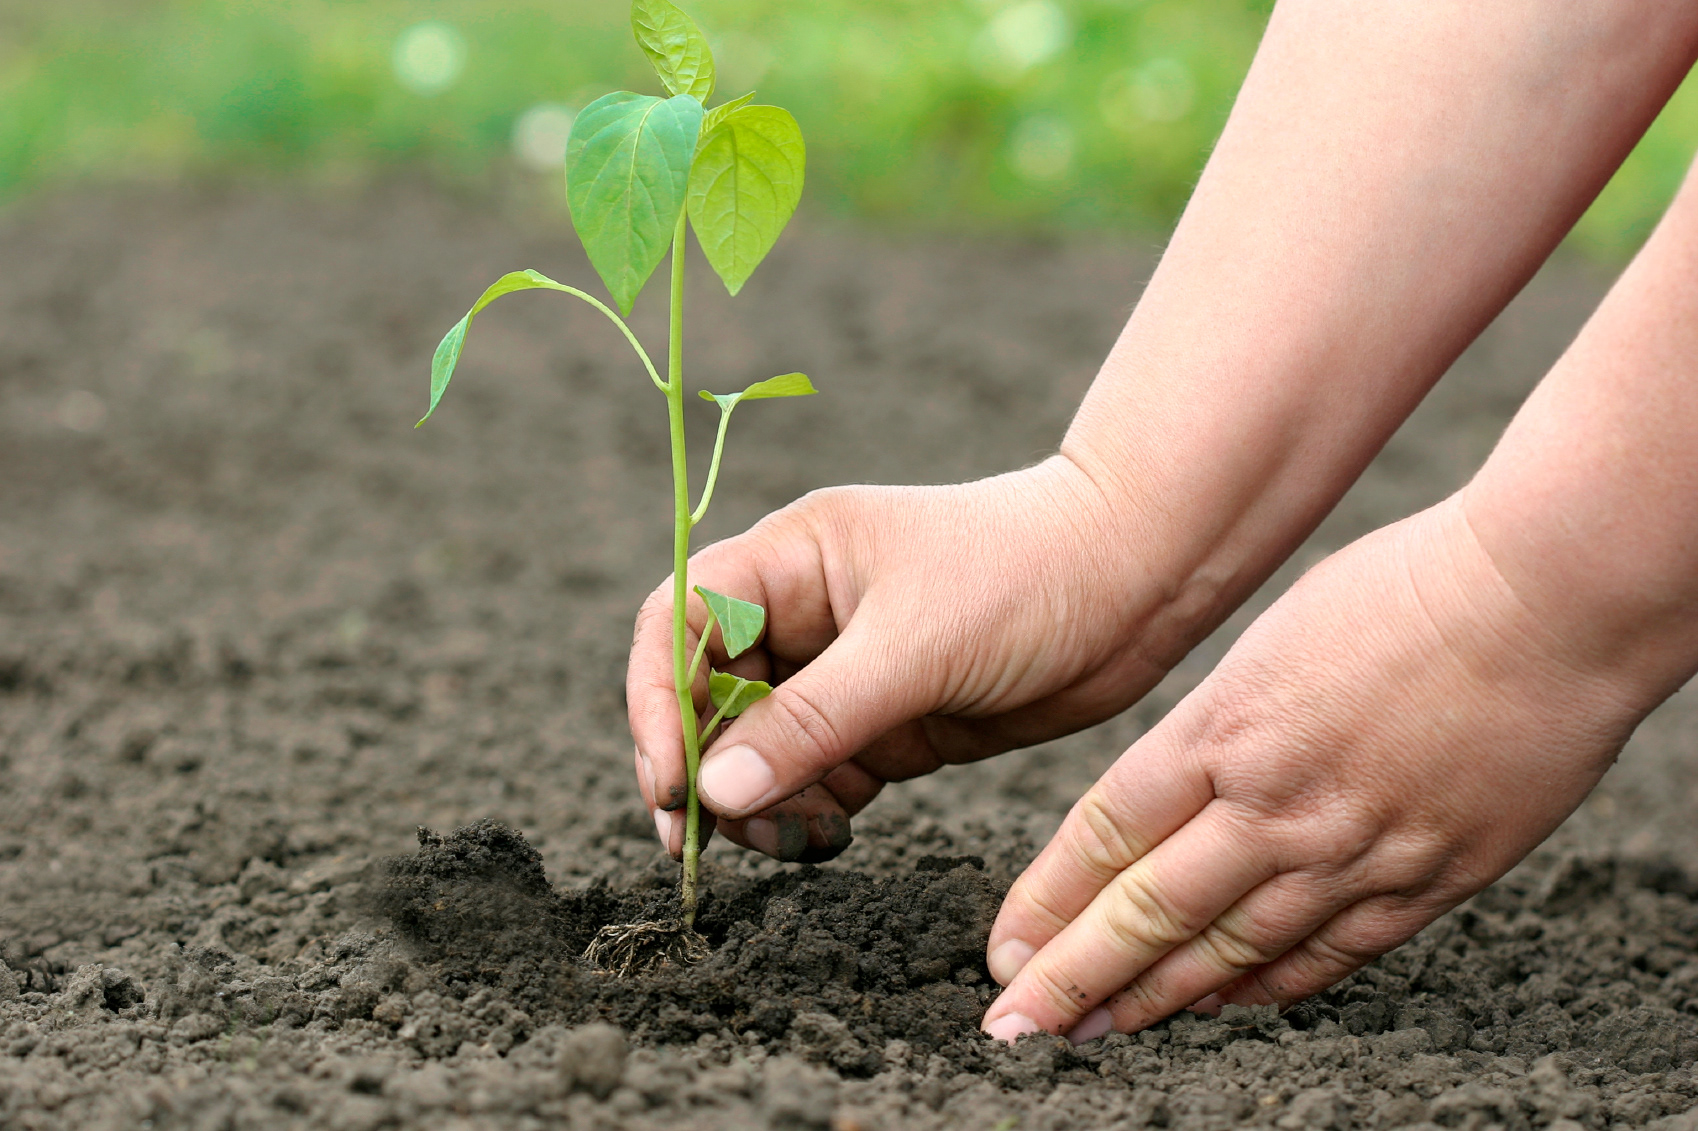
(718, 113)
(744, 186)
(740, 622)
(448, 352)
(676, 47)
(732, 695)
(627, 170)
(787, 385)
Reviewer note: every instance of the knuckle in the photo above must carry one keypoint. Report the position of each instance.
(806, 719)
(1057, 989)
(1103, 846)
(1313, 966)
(1039, 900)
(1342, 832)
(1231, 945)
(1138, 920)
(1325, 836)
(1138, 1004)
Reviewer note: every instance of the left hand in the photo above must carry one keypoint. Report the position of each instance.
(1394, 734)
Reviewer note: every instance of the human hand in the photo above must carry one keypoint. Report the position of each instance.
(1394, 734)
(908, 628)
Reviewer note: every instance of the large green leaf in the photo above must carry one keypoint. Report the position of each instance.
(627, 168)
(676, 47)
(744, 185)
(732, 695)
(740, 622)
(785, 385)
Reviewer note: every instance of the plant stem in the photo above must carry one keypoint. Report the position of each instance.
(713, 468)
(681, 526)
(701, 647)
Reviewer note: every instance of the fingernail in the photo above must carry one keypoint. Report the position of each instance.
(762, 835)
(1091, 1026)
(648, 774)
(1011, 1025)
(1006, 960)
(792, 836)
(736, 778)
(834, 827)
(1210, 1005)
(664, 823)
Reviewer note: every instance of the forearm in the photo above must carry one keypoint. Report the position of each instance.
(1390, 176)
(1589, 505)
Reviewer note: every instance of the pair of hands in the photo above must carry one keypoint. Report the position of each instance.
(1391, 736)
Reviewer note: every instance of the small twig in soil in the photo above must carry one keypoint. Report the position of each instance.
(633, 949)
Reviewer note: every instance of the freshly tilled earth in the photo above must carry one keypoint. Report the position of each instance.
(255, 631)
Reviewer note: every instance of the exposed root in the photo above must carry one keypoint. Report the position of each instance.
(632, 949)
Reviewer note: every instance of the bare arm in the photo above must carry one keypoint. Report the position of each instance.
(1391, 176)
(1420, 710)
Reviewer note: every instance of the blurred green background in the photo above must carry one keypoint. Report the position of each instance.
(942, 113)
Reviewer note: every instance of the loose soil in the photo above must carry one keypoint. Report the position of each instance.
(255, 632)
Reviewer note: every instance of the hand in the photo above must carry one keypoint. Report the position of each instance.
(908, 628)
(1389, 738)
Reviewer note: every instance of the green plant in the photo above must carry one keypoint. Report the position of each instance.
(640, 170)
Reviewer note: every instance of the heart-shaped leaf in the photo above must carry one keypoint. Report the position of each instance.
(740, 622)
(627, 169)
(744, 185)
(732, 695)
(786, 385)
(676, 47)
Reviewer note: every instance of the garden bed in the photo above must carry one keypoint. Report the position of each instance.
(255, 631)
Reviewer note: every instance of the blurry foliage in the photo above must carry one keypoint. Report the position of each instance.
(1079, 113)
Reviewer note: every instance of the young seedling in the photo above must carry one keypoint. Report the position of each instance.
(640, 169)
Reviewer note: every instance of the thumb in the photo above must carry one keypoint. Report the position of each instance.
(813, 722)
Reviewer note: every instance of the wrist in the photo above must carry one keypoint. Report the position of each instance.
(1623, 615)
(1214, 497)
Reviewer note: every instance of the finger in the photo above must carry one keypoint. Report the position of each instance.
(776, 565)
(1253, 932)
(815, 721)
(809, 828)
(952, 740)
(652, 700)
(654, 709)
(671, 827)
(853, 786)
(1338, 948)
(1146, 796)
(1163, 900)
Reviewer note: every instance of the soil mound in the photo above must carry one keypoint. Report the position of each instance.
(846, 961)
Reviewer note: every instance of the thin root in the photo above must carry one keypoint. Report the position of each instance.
(633, 949)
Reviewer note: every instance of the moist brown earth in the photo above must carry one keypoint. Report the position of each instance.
(255, 631)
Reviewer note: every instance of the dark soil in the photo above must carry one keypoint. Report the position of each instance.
(255, 631)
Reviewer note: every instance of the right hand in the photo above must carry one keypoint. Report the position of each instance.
(908, 628)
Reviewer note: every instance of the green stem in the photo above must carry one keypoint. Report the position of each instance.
(681, 525)
(713, 468)
(701, 647)
(719, 717)
(617, 321)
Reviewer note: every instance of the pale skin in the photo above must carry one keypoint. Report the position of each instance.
(1421, 709)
